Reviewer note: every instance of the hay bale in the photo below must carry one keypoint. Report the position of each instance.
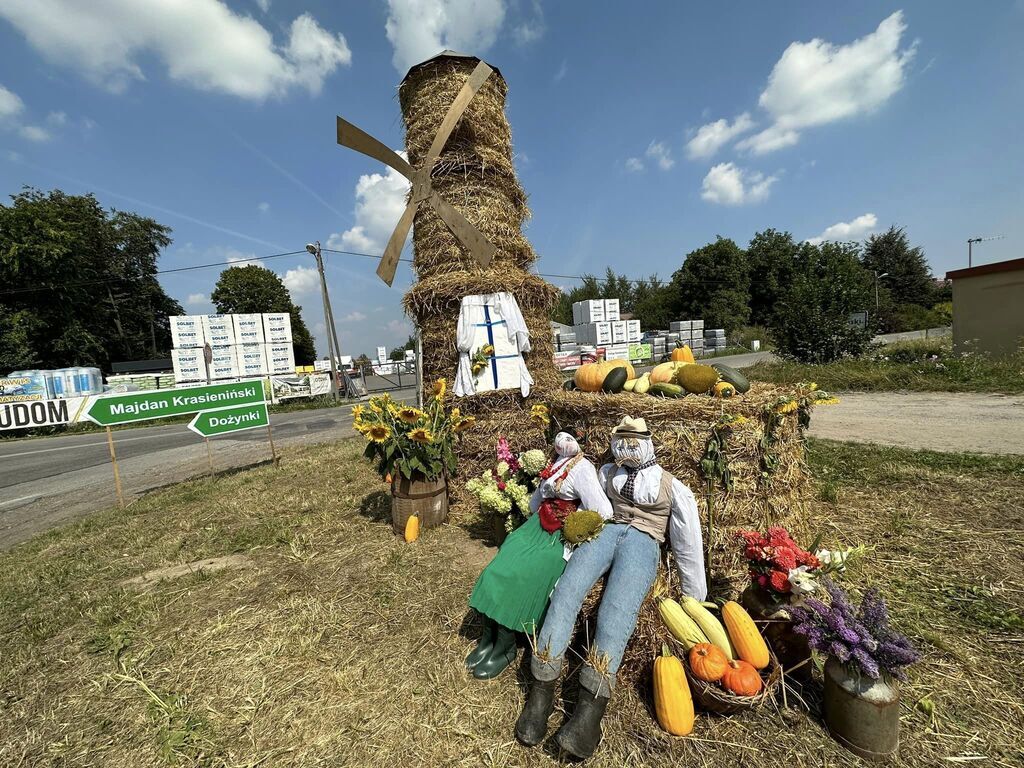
(680, 429)
(476, 174)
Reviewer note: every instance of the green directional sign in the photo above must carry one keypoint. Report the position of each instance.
(210, 423)
(142, 406)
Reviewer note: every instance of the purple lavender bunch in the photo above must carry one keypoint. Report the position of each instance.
(860, 637)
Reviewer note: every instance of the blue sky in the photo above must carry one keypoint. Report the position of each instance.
(641, 131)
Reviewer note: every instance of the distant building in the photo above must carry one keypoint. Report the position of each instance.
(988, 307)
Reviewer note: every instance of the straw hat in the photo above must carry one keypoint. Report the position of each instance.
(630, 427)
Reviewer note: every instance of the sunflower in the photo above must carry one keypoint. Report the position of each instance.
(357, 412)
(360, 426)
(487, 350)
(440, 388)
(421, 435)
(787, 406)
(539, 415)
(827, 401)
(378, 433)
(409, 415)
(465, 423)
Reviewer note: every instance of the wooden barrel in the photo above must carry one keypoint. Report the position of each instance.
(428, 499)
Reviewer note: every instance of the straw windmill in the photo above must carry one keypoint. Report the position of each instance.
(467, 209)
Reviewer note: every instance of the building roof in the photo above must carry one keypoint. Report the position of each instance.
(1013, 265)
(447, 53)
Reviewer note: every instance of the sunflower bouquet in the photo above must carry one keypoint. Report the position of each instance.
(405, 440)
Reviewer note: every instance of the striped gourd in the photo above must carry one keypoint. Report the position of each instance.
(709, 625)
(683, 628)
(747, 641)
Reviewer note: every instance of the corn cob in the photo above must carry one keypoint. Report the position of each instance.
(709, 625)
(683, 628)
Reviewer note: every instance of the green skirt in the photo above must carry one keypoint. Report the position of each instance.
(514, 588)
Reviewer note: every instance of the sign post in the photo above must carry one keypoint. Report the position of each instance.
(117, 472)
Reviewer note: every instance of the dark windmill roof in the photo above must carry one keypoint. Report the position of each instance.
(447, 53)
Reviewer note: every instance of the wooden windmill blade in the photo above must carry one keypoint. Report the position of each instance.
(422, 191)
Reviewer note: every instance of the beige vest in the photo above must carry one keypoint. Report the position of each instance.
(651, 519)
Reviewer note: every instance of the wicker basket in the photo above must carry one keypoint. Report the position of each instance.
(714, 698)
(428, 499)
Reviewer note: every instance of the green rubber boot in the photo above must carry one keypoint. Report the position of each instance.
(502, 655)
(485, 645)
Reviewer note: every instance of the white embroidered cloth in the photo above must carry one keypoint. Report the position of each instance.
(492, 319)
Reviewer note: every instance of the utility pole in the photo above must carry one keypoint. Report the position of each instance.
(332, 337)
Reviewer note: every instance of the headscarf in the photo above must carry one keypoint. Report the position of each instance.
(566, 445)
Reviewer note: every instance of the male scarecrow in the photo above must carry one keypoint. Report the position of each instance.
(646, 502)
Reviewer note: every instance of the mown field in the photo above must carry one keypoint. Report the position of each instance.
(327, 642)
(927, 365)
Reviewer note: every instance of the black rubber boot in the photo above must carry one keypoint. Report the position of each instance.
(581, 735)
(483, 648)
(502, 654)
(532, 725)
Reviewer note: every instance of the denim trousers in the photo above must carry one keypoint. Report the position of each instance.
(631, 556)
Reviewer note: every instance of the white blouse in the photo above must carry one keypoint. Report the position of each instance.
(684, 532)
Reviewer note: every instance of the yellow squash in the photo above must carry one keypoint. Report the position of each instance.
(672, 700)
(412, 528)
(747, 641)
(709, 625)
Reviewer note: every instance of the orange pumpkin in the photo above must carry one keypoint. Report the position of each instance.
(742, 679)
(590, 377)
(708, 662)
(630, 373)
(683, 354)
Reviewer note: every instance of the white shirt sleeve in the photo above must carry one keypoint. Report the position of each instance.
(589, 489)
(464, 343)
(687, 542)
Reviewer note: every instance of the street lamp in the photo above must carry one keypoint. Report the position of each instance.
(877, 278)
(332, 335)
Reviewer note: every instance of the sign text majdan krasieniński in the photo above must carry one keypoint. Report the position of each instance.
(141, 406)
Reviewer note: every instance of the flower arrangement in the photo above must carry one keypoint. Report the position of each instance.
(772, 557)
(504, 491)
(860, 638)
(406, 440)
(478, 363)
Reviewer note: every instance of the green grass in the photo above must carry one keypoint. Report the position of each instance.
(926, 365)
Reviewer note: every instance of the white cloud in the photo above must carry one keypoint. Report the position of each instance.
(563, 70)
(301, 281)
(57, 118)
(419, 29)
(726, 184)
(531, 30)
(201, 43)
(634, 164)
(11, 105)
(380, 200)
(264, 5)
(236, 258)
(34, 133)
(818, 82)
(847, 230)
(197, 299)
(711, 137)
(660, 154)
(399, 326)
(353, 317)
(263, 207)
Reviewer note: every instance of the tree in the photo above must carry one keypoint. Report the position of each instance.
(909, 280)
(398, 353)
(771, 258)
(713, 285)
(812, 322)
(250, 289)
(78, 284)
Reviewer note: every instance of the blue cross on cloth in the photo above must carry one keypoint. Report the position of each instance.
(489, 325)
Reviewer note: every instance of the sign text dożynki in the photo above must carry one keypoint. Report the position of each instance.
(141, 406)
(210, 423)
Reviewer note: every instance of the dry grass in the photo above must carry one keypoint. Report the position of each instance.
(343, 646)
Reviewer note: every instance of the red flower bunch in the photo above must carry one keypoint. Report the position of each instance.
(772, 555)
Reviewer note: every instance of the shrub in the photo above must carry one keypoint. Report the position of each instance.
(742, 337)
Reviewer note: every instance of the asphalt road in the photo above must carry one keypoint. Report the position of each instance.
(47, 481)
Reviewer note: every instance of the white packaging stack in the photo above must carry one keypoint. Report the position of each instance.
(249, 329)
(223, 362)
(620, 332)
(679, 325)
(219, 330)
(611, 310)
(188, 364)
(590, 311)
(277, 328)
(714, 333)
(252, 359)
(598, 334)
(186, 331)
(697, 325)
(617, 352)
(280, 358)
(633, 334)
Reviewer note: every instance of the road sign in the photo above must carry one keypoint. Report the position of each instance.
(141, 406)
(210, 423)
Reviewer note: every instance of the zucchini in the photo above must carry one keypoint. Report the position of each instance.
(734, 377)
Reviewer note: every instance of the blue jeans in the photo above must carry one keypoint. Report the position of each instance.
(632, 556)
